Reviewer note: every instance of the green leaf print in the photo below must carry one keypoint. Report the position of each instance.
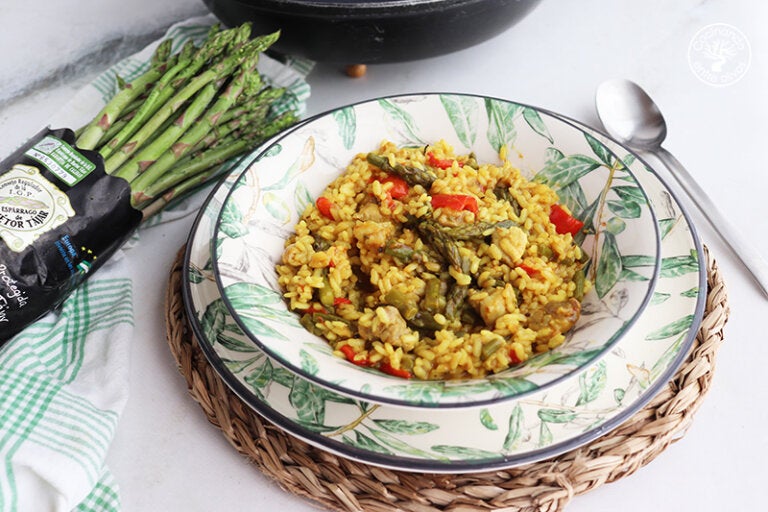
(464, 453)
(308, 362)
(307, 402)
(615, 225)
(625, 209)
(245, 295)
(553, 155)
(514, 429)
(576, 359)
(195, 275)
(346, 121)
(573, 197)
(406, 427)
(556, 415)
(599, 150)
(427, 392)
(301, 198)
(283, 376)
(591, 384)
(671, 329)
(487, 420)
(536, 123)
(214, 318)
(660, 298)
(501, 123)
(258, 328)
(631, 275)
(404, 121)
(666, 358)
(665, 227)
(304, 161)
(692, 292)
(545, 434)
(565, 171)
(234, 343)
(277, 207)
(260, 378)
(364, 442)
(513, 386)
(462, 112)
(619, 394)
(608, 266)
(231, 221)
(400, 446)
(637, 260)
(679, 265)
(630, 193)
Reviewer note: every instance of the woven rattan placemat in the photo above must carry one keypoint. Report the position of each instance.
(337, 483)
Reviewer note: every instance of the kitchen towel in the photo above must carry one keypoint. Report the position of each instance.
(64, 380)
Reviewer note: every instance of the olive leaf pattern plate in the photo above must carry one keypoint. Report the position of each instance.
(272, 192)
(539, 426)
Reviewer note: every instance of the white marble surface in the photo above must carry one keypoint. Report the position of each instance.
(167, 457)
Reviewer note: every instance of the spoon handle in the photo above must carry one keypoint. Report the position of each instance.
(746, 253)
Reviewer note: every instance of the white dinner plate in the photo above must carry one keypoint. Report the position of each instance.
(535, 427)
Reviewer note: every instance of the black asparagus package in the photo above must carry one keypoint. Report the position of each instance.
(61, 217)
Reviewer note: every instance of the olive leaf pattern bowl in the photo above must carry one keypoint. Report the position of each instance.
(267, 199)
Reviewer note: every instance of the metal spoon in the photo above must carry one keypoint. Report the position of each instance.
(631, 117)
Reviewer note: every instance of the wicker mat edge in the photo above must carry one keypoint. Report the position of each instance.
(340, 484)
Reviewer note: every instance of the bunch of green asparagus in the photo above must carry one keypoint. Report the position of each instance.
(175, 127)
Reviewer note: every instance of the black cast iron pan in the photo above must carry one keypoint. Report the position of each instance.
(367, 32)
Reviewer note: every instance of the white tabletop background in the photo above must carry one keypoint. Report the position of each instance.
(167, 457)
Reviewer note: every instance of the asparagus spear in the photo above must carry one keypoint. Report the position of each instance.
(95, 130)
(412, 175)
(180, 124)
(180, 146)
(152, 102)
(216, 72)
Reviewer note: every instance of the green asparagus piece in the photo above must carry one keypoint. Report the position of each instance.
(215, 73)
(443, 244)
(476, 230)
(95, 130)
(503, 193)
(454, 300)
(152, 102)
(412, 175)
(190, 134)
(149, 154)
(180, 124)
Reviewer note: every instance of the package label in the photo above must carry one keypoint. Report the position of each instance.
(61, 159)
(30, 205)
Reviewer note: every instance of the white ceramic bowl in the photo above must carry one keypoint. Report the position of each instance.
(268, 198)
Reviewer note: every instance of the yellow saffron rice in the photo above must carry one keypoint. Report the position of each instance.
(431, 265)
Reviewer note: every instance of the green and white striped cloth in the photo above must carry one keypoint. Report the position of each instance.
(64, 380)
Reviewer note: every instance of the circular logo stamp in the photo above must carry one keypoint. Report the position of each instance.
(30, 205)
(719, 54)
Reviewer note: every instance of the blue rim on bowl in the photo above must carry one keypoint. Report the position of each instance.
(270, 194)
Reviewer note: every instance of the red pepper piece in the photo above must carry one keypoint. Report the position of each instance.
(341, 300)
(563, 221)
(396, 372)
(528, 270)
(399, 187)
(456, 202)
(513, 359)
(350, 354)
(324, 205)
(440, 163)
(316, 309)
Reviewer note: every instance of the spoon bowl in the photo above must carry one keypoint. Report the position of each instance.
(631, 117)
(638, 123)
